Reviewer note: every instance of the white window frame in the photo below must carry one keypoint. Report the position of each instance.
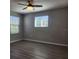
(42, 21)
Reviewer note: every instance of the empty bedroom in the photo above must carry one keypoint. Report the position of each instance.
(38, 29)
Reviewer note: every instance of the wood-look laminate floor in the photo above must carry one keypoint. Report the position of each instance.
(33, 50)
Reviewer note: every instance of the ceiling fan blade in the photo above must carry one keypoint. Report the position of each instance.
(21, 4)
(37, 6)
(25, 8)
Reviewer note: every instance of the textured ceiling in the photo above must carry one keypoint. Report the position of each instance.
(47, 4)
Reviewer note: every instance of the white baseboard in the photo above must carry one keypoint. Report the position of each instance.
(47, 42)
(15, 40)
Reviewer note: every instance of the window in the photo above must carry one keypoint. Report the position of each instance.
(41, 21)
(14, 24)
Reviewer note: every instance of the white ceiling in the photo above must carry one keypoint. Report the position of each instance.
(47, 4)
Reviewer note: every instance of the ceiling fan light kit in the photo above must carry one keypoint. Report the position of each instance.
(30, 8)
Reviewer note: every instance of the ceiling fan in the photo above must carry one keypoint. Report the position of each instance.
(29, 3)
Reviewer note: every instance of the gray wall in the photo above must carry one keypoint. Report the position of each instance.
(57, 30)
(19, 35)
